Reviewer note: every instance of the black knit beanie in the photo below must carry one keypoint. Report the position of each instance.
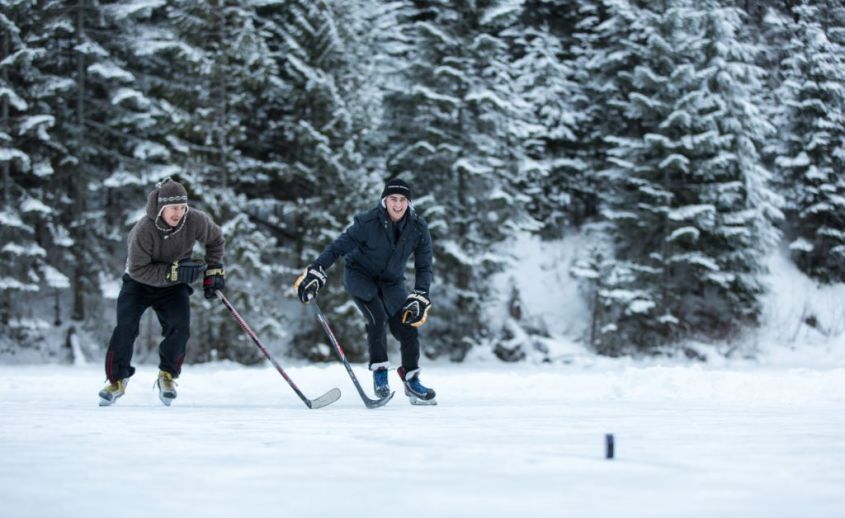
(396, 186)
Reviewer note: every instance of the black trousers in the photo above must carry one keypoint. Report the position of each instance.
(377, 322)
(172, 306)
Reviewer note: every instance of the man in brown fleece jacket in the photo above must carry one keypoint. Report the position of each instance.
(159, 272)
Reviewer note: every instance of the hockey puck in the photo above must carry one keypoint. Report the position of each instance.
(608, 446)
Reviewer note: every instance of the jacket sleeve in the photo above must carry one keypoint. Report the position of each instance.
(350, 239)
(140, 264)
(423, 260)
(212, 240)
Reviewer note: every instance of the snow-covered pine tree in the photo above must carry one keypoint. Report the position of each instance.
(552, 127)
(736, 182)
(86, 129)
(212, 66)
(689, 205)
(31, 232)
(80, 150)
(317, 119)
(547, 122)
(447, 130)
(612, 42)
(811, 154)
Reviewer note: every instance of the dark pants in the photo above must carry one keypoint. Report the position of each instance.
(172, 306)
(377, 321)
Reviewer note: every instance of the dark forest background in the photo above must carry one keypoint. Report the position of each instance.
(686, 139)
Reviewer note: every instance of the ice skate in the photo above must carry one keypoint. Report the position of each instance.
(113, 391)
(417, 393)
(166, 387)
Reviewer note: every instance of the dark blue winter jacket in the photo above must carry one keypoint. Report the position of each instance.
(376, 254)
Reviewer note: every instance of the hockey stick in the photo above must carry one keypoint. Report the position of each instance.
(326, 399)
(369, 403)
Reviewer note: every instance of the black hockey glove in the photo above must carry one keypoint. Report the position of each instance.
(186, 271)
(415, 310)
(309, 283)
(215, 279)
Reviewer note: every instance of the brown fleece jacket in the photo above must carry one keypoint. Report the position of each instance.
(154, 245)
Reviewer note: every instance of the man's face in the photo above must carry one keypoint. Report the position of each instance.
(396, 206)
(173, 213)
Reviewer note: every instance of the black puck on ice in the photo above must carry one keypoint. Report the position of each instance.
(608, 446)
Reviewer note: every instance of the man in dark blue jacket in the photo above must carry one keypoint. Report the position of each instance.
(377, 247)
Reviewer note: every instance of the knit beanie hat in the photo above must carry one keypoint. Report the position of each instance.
(167, 192)
(171, 192)
(396, 186)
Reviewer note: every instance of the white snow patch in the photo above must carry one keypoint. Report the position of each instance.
(33, 205)
(42, 169)
(54, 278)
(540, 270)
(134, 7)
(12, 219)
(801, 317)
(110, 286)
(111, 71)
(38, 123)
(32, 250)
(16, 101)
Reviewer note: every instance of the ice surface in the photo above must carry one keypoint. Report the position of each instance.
(505, 440)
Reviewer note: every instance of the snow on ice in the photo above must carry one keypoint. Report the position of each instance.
(505, 440)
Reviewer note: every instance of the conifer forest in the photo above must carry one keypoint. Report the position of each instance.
(685, 140)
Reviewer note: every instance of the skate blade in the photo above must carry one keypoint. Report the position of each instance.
(166, 400)
(422, 402)
(105, 401)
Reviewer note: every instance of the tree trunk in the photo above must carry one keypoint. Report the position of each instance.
(58, 308)
(222, 105)
(5, 307)
(6, 300)
(4, 120)
(80, 183)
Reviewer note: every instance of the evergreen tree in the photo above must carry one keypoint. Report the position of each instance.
(548, 127)
(447, 124)
(689, 206)
(220, 65)
(319, 119)
(552, 125)
(90, 127)
(32, 234)
(811, 156)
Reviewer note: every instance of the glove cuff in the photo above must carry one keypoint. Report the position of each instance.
(172, 274)
(215, 269)
(420, 295)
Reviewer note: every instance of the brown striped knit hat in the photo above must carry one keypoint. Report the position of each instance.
(170, 192)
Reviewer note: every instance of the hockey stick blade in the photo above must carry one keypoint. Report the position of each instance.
(375, 403)
(369, 403)
(325, 400)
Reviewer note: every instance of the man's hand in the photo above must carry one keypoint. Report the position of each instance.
(309, 283)
(185, 271)
(415, 310)
(215, 279)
